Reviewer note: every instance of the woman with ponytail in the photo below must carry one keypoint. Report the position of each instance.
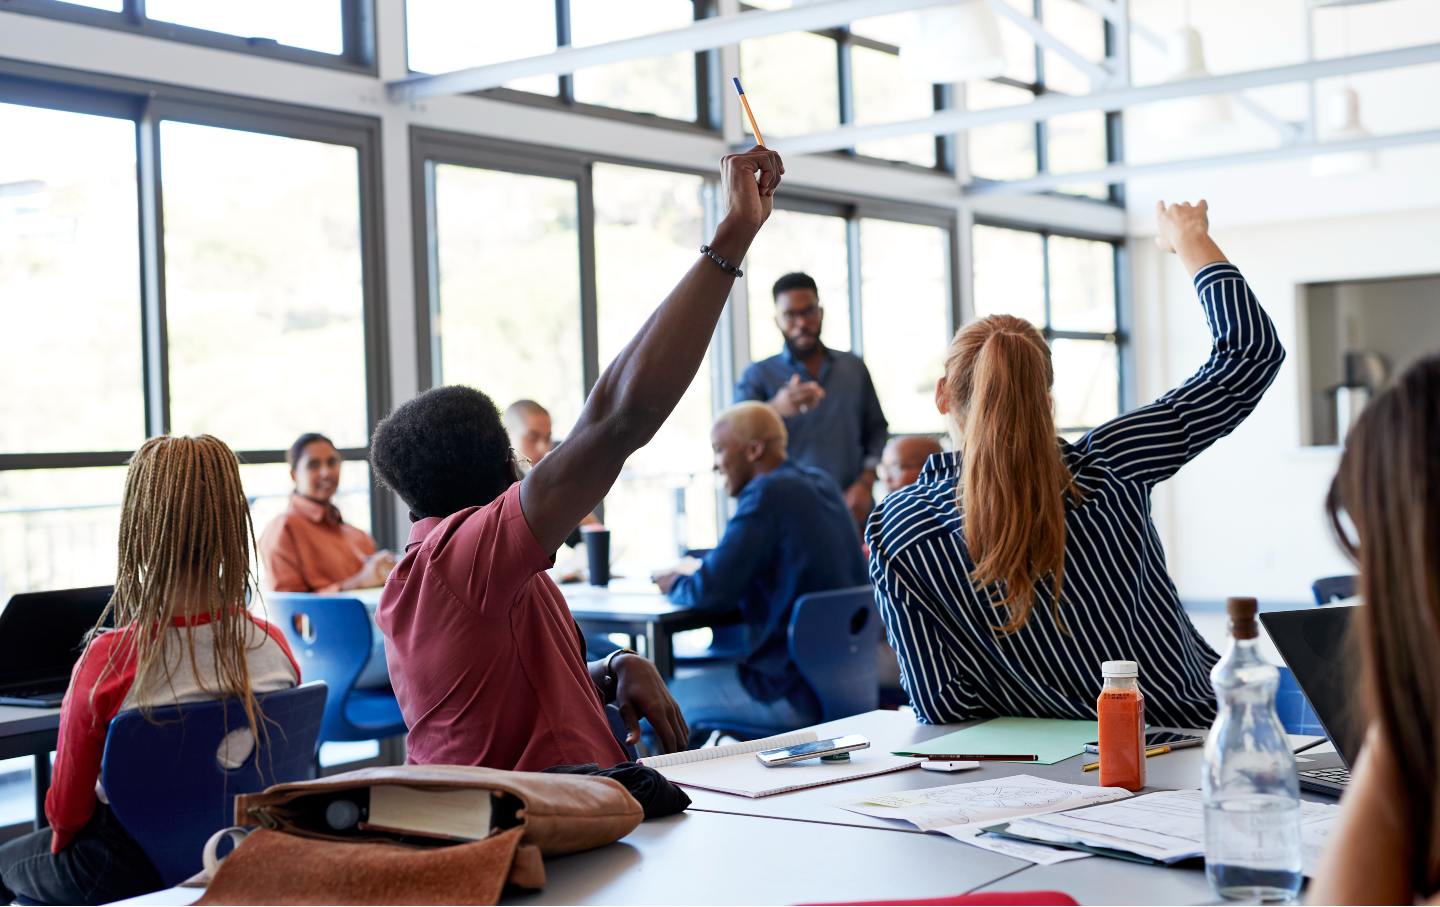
(182, 634)
(1020, 562)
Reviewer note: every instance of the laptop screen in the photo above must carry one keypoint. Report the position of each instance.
(1315, 643)
(43, 633)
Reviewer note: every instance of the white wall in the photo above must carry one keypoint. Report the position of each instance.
(1246, 517)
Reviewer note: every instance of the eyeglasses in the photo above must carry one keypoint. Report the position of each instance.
(806, 314)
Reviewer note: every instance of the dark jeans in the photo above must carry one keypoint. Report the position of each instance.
(102, 864)
(713, 697)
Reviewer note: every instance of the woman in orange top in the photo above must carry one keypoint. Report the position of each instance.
(309, 548)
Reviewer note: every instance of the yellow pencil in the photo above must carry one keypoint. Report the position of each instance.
(754, 127)
(1152, 751)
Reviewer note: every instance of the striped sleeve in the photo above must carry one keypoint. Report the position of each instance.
(929, 669)
(1150, 444)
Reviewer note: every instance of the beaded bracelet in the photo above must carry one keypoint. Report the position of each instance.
(724, 264)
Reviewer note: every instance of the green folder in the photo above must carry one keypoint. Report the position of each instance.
(1050, 740)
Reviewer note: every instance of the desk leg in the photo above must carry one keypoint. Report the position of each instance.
(41, 776)
(657, 642)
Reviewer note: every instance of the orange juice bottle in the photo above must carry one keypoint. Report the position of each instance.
(1122, 726)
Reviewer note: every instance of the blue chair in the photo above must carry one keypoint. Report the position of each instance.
(167, 786)
(331, 637)
(832, 641)
(1294, 709)
(1333, 588)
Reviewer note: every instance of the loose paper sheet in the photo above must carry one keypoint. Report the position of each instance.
(1052, 740)
(962, 810)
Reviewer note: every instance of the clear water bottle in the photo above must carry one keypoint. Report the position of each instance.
(1252, 794)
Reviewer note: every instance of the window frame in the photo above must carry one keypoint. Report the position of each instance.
(147, 105)
(1120, 338)
(357, 23)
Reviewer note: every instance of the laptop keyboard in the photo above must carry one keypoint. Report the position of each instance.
(1332, 775)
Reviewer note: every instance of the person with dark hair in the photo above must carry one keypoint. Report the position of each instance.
(310, 547)
(1386, 847)
(1019, 561)
(486, 661)
(825, 396)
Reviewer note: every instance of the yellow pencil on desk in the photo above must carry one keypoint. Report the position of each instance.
(1152, 751)
(754, 127)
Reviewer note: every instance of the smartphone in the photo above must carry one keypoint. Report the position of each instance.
(813, 750)
(1176, 740)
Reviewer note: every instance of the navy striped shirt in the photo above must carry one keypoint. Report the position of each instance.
(1118, 601)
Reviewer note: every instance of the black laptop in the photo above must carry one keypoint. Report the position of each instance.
(1313, 642)
(41, 637)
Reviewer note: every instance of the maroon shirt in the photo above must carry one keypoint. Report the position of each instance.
(485, 659)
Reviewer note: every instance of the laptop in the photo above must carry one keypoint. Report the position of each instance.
(41, 637)
(1314, 644)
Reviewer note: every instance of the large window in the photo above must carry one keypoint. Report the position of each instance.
(325, 32)
(1064, 144)
(444, 36)
(508, 312)
(263, 280)
(647, 227)
(1066, 286)
(152, 296)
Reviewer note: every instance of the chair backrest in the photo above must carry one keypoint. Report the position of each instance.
(164, 780)
(330, 636)
(832, 641)
(1329, 589)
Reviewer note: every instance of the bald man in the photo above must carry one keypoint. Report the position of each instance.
(903, 459)
(792, 533)
(531, 432)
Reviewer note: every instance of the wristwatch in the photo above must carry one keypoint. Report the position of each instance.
(609, 677)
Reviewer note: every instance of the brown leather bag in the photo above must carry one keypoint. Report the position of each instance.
(291, 861)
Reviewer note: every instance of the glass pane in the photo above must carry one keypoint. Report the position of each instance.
(1084, 31)
(884, 93)
(1005, 151)
(792, 82)
(443, 36)
(1087, 382)
(664, 86)
(794, 241)
(501, 328)
(1078, 143)
(268, 487)
(648, 225)
(312, 24)
(69, 282)
(894, 29)
(905, 288)
(1009, 273)
(58, 528)
(1019, 48)
(17, 799)
(1082, 285)
(264, 289)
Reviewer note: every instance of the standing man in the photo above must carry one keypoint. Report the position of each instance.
(825, 396)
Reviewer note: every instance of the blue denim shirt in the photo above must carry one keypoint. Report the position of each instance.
(845, 434)
(791, 534)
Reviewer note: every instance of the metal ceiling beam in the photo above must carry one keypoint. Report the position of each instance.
(1117, 173)
(1043, 108)
(704, 34)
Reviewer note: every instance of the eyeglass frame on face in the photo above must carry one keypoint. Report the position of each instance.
(812, 312)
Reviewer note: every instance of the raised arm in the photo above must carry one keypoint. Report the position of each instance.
(1151, 443)
(638, 391)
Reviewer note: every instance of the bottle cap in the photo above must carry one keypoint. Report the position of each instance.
(1120, 669)
(1242, 617)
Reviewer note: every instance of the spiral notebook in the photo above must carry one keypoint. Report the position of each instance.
(733, 769)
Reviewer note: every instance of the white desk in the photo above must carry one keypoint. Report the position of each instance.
(637, 607)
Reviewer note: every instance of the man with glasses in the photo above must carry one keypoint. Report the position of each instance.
(791, 534)
(825, 396)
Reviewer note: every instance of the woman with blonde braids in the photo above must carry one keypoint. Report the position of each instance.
(1018, 564)
(182, 634)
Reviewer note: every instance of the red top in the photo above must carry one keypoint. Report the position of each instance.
(108, 669)
(485, 659)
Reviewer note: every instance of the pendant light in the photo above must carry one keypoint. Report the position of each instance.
(956, 43)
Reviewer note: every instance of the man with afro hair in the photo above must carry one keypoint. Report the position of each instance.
(486, 661)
